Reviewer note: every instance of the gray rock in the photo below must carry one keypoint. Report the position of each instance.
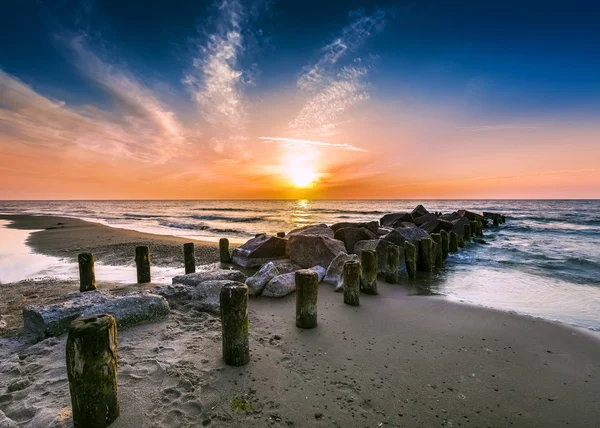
(207, 294)
(380, 247)
(259, 250)
(313, 230)
(390, 220)
(419, 211)
(128, 310)
(458, 225)
(436, 225)
(335, 270)
(370, 225)
(5, 422)
(285, 266)
(321, 272)
(384, 230)
(450, 217)
(194, 279)
(281, 285)
(424, 219)
(308, 251)
(400, 235)
(259, 280)
(351, 235)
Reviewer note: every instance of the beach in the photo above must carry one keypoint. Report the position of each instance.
(399, 359)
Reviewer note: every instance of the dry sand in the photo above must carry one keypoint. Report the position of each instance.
(396, 360)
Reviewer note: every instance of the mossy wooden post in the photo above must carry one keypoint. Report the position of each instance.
(392, 264)
(503, 217)
(410, 257)
(307, 290)
(281, 234)
(189, 259)
(142, 261)
(234, 321)
(461, 242)
(496, 220)
(351, 278)
(445, 243)
(426, 255)
(467, 232)
(92, 371)
(224, 254)
(87, 276)
(438, 257)
(368, 279)
(453, 242)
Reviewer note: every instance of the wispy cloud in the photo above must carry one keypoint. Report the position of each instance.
(295, 141)
(500, 127)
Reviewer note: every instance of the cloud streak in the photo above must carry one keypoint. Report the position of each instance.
(295, 141)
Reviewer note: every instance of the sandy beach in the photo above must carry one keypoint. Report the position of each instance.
(399, 359)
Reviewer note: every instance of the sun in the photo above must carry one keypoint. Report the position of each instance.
(302, 176)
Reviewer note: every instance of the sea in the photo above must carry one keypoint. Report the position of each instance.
(543, 262)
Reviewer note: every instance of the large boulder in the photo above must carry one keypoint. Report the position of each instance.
(412, 234)
(351, 235)
(419, 211)
(259, 250)
(313, 230)
(285, 266)
(436, 225)
(424, 219)
(370, 225)
(321, 272)
(390, 220)
(335, 270)
(260, 279)
(380, 246)
(473, 216)
(458, 225)
(308, 250)
(281, 285)
(131, 309)
(384, 230)
(208, 294)
(451, 216)
(6, 422)
(196, 278)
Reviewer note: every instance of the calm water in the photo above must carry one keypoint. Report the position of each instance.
(545, 261)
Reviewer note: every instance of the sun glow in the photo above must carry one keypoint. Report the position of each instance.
(302, 176)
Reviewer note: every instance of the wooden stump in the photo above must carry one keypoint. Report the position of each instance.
(234, 321)
(445, 243)
(92, 371)
(368, 280)
(437, 255)
(453, 242)
(189, 258)
(224, 255)
(461, 242)
(307, 290)
(351, 278)
(392, 264)
(410, 256)
(467, 232)
(142, 261)
(426, 255)
(87, 276)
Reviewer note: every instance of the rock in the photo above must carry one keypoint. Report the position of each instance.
(370, 225)
(196, 278)
(351, 235)
(260, 279)
(5, 422)
(458, 226)
(18, 384)
(436, 225)
(472, 216)
(424, 219)
(285, 266)
(259, 250)
(281, 285)
(321, 272)
(207, 294)
(382, 231)
(335, 270)
(174, 292)
(308, 250)
(450, 217)
(411, 234)
(128, 310)
(314, 230)
(390, 220)
(380, 246)
(419, 211)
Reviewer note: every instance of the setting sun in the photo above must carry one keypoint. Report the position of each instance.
(302, 177)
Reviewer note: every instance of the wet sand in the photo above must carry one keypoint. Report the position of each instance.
(398, 359)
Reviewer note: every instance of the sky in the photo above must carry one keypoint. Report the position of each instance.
(268, 99)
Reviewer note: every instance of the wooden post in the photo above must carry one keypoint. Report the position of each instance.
(189, 259)
(467, 232)
(281, 234)
(351, 282)
(503, 217)
(461, 242)
(445, 243)
(368, 280)
(496, 221)
(392, 264)
(234, 322)
(224, 255)
(410, 257)
(453, 242)
(87, 276)
(438, 257)
(92, 371)
(426, 255)
(142, 261)
(307, 289)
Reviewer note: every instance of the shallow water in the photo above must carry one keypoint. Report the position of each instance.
(545, 261)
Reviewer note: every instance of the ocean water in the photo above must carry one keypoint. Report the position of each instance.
(544, 262)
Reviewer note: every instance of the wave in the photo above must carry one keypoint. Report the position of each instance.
(231, 219)
(200, 226)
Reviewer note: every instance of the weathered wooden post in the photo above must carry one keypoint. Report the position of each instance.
(92, 371)
(189, 259)
(461, 242)
(503, 217)
(392, 264)
(368, 280)
(426, 255)
(224, 255)
(307, 288)
(142, 261)
(234, 322)
(496, 220)
(281, 234)
(445, 243)
(438, 257)
(453, 242)
(87, 276)
(467, 232)
(351, 280)
(410, 257)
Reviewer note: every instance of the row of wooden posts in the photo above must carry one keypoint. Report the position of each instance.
(92, 341)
